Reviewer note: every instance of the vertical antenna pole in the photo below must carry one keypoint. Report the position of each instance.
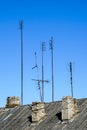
(42, 73)
(40, 90)
(21, 28)
(71, 78)
(36, 66)
(51, 47)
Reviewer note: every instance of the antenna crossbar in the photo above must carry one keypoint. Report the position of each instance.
(39, 80)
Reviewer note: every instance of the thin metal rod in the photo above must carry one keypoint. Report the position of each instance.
(51, 47)
(42, 73)
(36, 66)
(71, 78)
(40, 91)
(21, 28)
(38, 80)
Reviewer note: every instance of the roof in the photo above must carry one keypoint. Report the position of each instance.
(19, 118)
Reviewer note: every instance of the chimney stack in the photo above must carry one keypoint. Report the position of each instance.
(38, 111)
(12, 102)
(69, 108)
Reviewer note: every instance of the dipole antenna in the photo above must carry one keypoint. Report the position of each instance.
(71, 79)
(21, 29)
(43, 46)
(51, 48)
(36, 67)
(38, 80)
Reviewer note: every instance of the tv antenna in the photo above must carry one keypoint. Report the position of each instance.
(40, 81)
(36, 66)
(21, 29)
(71, 79)
(51, 48)
(43, 48)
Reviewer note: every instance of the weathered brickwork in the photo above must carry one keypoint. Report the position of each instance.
(13, 101)
(38, 111)
(69, 107)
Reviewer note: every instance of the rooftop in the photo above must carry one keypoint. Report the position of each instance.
(20, 118)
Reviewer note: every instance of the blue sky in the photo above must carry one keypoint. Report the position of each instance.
(66, 21)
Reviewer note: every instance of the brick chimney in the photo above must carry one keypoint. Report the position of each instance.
(69, 107)
(38, 111)
(12, 102)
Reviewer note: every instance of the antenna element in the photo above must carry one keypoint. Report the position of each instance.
(71, 79)
(51, 48)
(21, 29)
(43, 46)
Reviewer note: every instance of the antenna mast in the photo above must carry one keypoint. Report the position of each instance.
(71, 79)
(36, 66)
(51, 47)
(42, 80)
(21, 29)
(42, 73)
(39, 87)
(38, 80)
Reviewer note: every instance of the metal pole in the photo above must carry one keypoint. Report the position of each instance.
(51, 47)
(36, 66)
(21, 28)
(71, 78)
(40, 90)
(42, 74)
